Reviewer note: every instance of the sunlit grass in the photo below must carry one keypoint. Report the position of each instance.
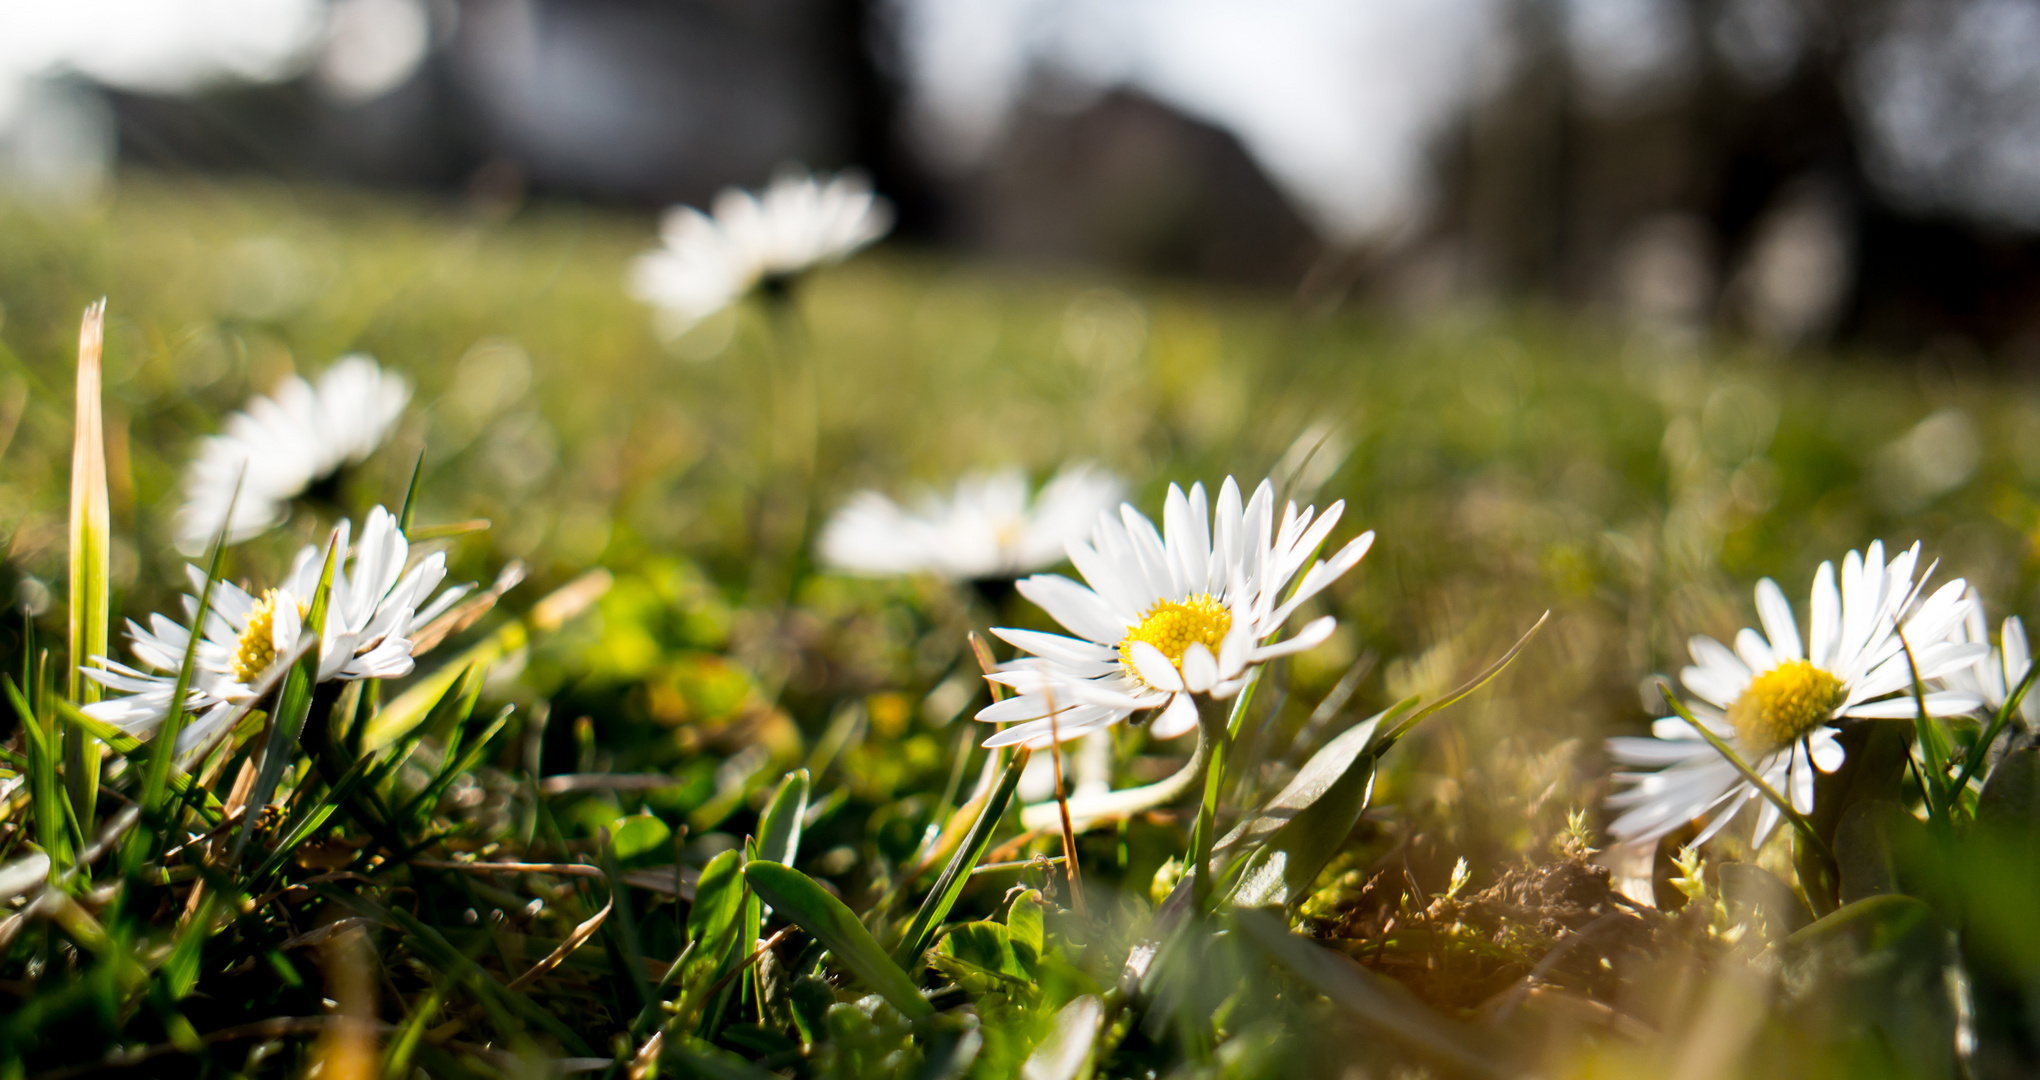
(1631, 481)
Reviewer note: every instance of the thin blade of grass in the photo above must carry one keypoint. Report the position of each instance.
(410, 708)
(1466, 688)
(293, 705)
(51, 830)
(91, 559)
(957, 874)
(163, 756)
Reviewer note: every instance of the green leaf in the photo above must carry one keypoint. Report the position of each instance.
(718, 900)
(985, 945)
(1334, 760)
(1281, 870)
(779, 827)
(1024, 926)
(796, 896)
(636, 834)
(935, 906)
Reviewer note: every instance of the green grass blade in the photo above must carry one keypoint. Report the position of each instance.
(163, 756)
(957, 874)
(91, 559)
(412, 706)
(293, 705)
(796, 896)
(411, 495)
(52, 831)
(177, 783)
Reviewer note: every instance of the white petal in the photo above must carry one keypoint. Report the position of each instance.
(1154, 667)
(1180, 718)
(1200, 668)
(1776, 615)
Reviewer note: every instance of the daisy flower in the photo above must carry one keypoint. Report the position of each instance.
(375, 602)
(1997, 673)
(1777, 704)
(1165, 619)
(800, 220)
(282, 444)
(988, 529)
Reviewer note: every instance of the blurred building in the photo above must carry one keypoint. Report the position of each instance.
(1786, 169)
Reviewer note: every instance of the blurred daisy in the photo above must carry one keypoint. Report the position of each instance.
(374, 605)
(282, 444)
(1166, 619)
(987, 530)
(801, 220)
(1995, 675)
(1776, 703)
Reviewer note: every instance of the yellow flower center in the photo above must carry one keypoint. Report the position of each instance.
(256, 649)
(1171, 625)
(1783, 704)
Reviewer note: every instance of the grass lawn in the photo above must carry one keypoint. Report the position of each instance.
(1634, 483)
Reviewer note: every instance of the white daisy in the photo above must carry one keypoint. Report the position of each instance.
(1776, 704)
(1995, 675)
(1164, 620)
(801, 220)
(987, 530)
(375, 602)
(282, 444)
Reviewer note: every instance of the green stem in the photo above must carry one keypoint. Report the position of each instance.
(1211, 718)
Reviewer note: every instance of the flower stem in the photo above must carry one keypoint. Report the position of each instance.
(1211, 720)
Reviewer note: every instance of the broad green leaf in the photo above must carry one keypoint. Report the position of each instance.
(1374, 1000)
(1024, 926)
(1334, 760)
(985, 945)
(91, 558)
(718, 900)
(796, 896)
(637, 834)
(779, 827)
(1280, 872)
(935, 906)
